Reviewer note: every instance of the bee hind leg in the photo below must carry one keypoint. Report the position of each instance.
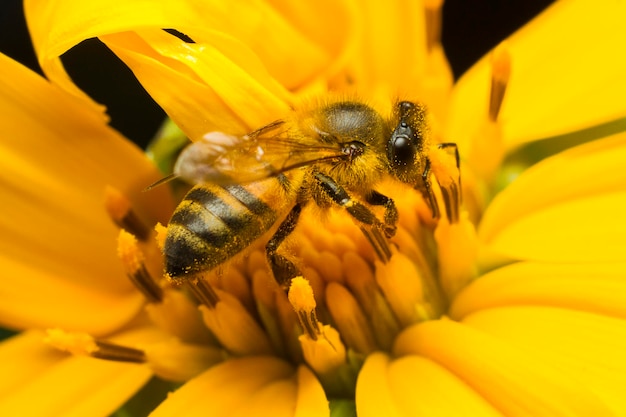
(282, 268)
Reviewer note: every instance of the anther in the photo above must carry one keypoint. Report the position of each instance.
(303, 302)
(120, 210)
(350, 319)
(203, 291)
(445, 165)
(432, 9)
(161, 235)
(500, 74)
(134, 264)
(83, 344)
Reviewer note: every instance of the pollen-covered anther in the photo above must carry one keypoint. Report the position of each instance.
(500, 74)
(133, 262)
(303, 302)
(83, 344)
(322, 347)
(120, 210)
(160, 236)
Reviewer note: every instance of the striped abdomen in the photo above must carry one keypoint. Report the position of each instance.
(214, 223)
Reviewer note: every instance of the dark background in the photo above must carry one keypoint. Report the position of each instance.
(470, 29)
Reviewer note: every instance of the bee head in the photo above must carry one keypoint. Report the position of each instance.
(406, 146)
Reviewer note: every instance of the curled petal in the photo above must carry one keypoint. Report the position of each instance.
(292, 54)
(216, 84)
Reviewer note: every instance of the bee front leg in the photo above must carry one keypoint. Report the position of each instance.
(371, 226)
(426, 189)
(391, 212)
(282, 268)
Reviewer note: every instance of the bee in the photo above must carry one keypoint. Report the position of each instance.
(330, 155)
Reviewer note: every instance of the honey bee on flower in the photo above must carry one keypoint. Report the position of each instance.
(332, 155)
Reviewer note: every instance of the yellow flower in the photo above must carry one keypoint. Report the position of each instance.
(516, 307)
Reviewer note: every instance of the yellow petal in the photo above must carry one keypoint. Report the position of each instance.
(310, 400)
(373, 392)
(425, 388)
(290, 56)
(58, 244)
(417, 387)
(247, 386)
(567, 74)
(390, 59)
(513, 380)
(597, 288)
(216, 84)
(37, 381)
(565, 208)
(587, 347)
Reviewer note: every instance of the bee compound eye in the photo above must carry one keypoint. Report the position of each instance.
(401, 151)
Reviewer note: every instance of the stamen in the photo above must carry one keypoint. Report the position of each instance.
(234, 327)
(203, 291)
(83, 344)
(133, 262)
(500, 74)
(176, 361)
(178, 315)
(303, 302)
(321, 345)
(362, 284)
(378, 242)
(457, 253)
(403, 287)
(350, 319)
(445, 165)
(121, 212)
(432, 9)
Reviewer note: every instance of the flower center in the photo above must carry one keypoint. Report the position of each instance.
(347, 304)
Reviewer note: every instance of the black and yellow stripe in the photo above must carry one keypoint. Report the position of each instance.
(212, 224)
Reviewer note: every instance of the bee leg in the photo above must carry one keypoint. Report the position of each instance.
(282, 268)
(370, 225)
(391, 212)
(426, 189)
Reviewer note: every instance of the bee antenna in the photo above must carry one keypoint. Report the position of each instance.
(161, 182)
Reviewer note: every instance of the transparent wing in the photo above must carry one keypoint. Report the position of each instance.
(226, 159)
